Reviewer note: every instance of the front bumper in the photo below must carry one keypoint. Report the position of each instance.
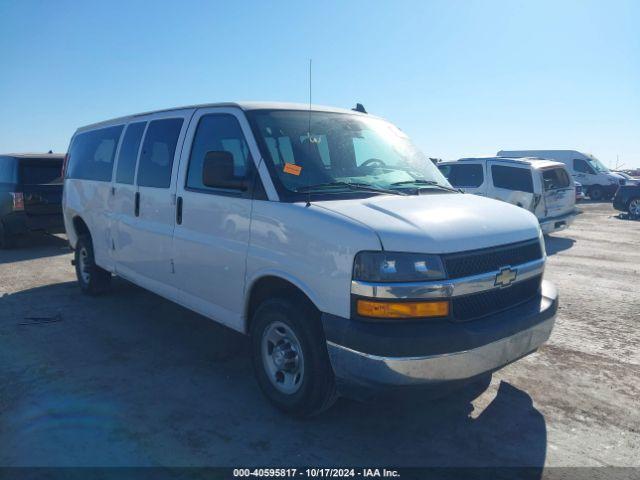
(450, 352)
(555, 224)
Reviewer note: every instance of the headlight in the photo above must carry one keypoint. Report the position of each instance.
(543, 245)
(397, 267)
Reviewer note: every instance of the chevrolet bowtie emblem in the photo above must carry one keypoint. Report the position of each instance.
(506, 277)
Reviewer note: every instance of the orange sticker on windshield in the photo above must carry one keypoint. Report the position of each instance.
(292, 169)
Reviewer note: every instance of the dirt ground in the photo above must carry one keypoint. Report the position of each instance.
(131, 379)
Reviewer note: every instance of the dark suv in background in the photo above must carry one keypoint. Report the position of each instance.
(30, 195)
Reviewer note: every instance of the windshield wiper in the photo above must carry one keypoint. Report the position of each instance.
(431, 183)
(364, 187)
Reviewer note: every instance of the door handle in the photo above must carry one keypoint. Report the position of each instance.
(179, 211)
(137, 205)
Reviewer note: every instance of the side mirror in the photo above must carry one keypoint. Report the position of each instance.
(217, 172)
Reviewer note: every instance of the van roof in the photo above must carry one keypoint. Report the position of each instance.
(246, 106)
(533, 161)
(38, 156)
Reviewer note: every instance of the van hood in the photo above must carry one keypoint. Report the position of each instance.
(438, 223)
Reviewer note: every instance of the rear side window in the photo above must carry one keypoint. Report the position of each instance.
(126, 170)
(555, 178)
(512, 178)
(217, 132)
(158, 150)
(464, 175)
(92, 153)
(41, 173)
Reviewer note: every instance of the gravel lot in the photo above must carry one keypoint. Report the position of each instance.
(131, 379)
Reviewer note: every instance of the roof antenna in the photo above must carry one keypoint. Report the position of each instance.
(359, 108)
(309, 139)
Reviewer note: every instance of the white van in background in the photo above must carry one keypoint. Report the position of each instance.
(597, 180)
(543, 187)
(322, 233)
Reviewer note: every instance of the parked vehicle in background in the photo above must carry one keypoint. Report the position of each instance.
(543, 187)
(627, 199)
(579, 192)
(599, 182)
(629, 180)
(323, 233)
(30, 195)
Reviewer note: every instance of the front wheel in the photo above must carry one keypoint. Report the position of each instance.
(92, 279)
(596, 193)
(290, 359)
(634, 207)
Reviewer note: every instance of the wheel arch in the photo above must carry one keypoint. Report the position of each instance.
(80, 228)
(270, 285)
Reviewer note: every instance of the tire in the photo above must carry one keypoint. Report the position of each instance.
(6, 240)
(92, 279)
(290, 332)
(596, 193)
(633, 207)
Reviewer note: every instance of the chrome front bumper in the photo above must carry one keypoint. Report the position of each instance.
(357, 368)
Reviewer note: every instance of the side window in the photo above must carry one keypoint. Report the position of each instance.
(581, 166)
(217, 132)
(158, 150)
(126, 170)
(467, 175)
(555, 178)
(91, 154)
(512, 178)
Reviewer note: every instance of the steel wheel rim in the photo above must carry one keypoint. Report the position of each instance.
(634, 207)
(83, 260)
(282, 358)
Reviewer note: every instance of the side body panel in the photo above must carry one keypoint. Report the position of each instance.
(312, 247)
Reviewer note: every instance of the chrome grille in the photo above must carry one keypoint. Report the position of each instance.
(477, 305)
(474, 262)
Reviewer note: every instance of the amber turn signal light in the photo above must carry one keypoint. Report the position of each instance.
(368, 308)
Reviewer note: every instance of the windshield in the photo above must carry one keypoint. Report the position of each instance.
(320, 151)
(597, 165)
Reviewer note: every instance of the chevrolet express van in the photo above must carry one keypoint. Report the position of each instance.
(543, 187)
(598, 181)
(324, 234)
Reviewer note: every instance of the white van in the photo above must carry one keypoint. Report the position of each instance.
(543, 187)
(598, 181)
(322, 233)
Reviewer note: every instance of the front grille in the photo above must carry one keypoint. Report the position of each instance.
(485, 260)
(478, 305)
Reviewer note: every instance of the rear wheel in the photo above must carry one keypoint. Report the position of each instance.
(596, 193)
(634, 207)
(290, 357)
(92, 279)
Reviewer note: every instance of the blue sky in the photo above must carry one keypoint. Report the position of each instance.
(461, 77)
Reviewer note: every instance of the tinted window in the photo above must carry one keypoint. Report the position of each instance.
(128, 155)
(217, 132)
(91, 154)
(7, 170)
(463, 175)
(33, 173)
(581, 166)
(512, 178)
(555, 178)
(158, 150)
